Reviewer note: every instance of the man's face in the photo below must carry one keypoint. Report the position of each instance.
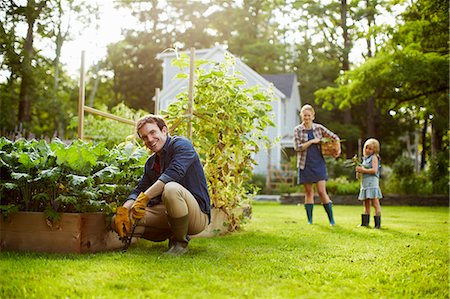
(154, 138)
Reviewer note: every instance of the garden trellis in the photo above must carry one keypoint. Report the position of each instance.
(83, 108)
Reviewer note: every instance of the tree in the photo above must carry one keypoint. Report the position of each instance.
(408, 75)
(36, 93)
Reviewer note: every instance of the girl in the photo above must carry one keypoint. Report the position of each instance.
(310, 162)
(370, 191)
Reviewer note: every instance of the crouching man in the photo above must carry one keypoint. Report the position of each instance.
(171, 200)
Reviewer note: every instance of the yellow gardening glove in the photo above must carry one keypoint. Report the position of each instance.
(138, 207)
(122, 221)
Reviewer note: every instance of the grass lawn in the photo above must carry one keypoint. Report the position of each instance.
(276, 255)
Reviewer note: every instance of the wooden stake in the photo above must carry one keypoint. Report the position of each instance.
(81, 100)
(191, 92)
(156, 99)
(108, 115)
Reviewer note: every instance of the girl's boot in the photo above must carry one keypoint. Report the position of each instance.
(377, 221)
(309, 212)
(365, 219)
(329, 209)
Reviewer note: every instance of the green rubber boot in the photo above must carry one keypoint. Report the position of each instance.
(179, 241)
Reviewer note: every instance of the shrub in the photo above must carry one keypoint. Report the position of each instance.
(411, 184)
(438, 173)
(342, 186)
(403, 167)
(340, 168)
(259, 182)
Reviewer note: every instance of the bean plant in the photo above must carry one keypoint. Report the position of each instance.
(228, 124)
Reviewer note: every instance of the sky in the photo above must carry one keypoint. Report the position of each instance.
(93, 41)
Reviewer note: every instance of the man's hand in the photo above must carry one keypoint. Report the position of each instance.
(122, 221)
(138, 207)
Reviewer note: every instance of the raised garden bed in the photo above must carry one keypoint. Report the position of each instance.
(73, 233)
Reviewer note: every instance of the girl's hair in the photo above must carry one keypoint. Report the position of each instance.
(307, 107)
(150, 119)
(375, 144)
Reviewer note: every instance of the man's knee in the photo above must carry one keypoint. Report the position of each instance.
(172, 190)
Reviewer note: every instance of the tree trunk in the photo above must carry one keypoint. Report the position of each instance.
(350, 150)
(32, 11)
(26, 86)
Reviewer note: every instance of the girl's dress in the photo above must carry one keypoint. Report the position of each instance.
(315, 169)
(370, 184)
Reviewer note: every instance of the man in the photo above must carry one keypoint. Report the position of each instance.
(171, 200)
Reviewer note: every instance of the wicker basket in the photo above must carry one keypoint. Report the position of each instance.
(330, 148)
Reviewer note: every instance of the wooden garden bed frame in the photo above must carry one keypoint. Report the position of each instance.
(74, 233)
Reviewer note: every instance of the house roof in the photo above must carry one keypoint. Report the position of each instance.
(284, 82)
(209, 53)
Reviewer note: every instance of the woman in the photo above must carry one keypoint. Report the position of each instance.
(310, 162)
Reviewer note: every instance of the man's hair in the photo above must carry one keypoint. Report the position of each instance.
(150, 119)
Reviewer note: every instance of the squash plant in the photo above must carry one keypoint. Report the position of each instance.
(56, 177)
(227, 124)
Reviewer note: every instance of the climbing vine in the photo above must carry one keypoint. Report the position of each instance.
(228, 125)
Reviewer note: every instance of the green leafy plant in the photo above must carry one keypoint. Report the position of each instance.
(57, 177)
(342, 186)
(109, 131)
(227, 123)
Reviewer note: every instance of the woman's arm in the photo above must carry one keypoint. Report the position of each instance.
(305, 145)
(300, 146)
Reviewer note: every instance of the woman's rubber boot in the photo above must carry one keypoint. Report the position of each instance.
(179, 241)
(377, 221)
(309, 212)
(329, 209)
(365, 219)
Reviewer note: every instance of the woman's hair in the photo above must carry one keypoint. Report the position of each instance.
(307, 107)
(150, 119)
(375, 144)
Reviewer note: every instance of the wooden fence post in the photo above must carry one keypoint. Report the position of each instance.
(156, 99)
(191, 92)
(81, 100)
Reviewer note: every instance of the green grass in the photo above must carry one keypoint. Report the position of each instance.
(276, 255)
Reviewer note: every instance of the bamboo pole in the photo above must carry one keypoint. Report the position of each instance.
(110, 116)
(81, 99)
(191, 92)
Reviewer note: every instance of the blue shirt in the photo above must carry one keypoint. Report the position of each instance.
(179, 163)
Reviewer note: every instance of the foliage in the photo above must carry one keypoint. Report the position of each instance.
(111, 132)
(259, 182)
(56, 177)
(340, 168)
(404, 179)
(407, 78)
(438, 173)
(227, 125)
(343, 186)
(35, 92)
(275, 256)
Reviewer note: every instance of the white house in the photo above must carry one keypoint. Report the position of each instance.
(286, 108)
